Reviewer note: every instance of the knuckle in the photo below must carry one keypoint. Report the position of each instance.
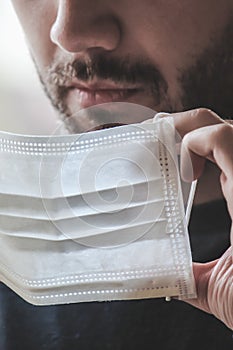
(224, 132)
(207, 116)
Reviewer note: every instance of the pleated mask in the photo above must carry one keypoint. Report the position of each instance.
(94, 216)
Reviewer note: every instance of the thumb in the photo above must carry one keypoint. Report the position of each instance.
(202, 273)
(214, 282)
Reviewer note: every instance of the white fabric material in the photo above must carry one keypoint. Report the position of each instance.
(96, 216)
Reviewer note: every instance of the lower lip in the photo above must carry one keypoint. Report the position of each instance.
(88, 98)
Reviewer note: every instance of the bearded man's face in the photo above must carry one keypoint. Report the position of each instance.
(166, 55)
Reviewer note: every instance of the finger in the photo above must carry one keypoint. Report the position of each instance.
(231, 238)
(214, 287)
(190, 120)
(202, 274)
(214, 142)
(192, 165)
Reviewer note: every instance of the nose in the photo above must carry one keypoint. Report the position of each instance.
(81, 25)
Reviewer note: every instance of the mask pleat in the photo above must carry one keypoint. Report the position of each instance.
(96, 216)
(83, 226)
(80, 205)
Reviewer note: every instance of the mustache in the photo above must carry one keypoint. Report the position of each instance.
(105, 68)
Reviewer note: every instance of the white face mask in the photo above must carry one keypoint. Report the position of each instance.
(95, 216)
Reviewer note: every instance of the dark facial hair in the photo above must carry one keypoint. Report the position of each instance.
(102, 67)
(208, 83)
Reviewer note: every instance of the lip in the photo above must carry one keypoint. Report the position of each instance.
(106, 126)
(89, 94)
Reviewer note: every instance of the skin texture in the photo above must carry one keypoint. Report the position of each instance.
(206, 136)
(173, 52)
(167, 55)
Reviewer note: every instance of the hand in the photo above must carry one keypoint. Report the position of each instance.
(206, 136)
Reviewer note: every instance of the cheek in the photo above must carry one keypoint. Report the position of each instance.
(37, 19)
(178, 31)
(173, 35)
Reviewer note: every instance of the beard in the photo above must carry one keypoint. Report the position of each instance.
(207, 83)
(102, 68)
